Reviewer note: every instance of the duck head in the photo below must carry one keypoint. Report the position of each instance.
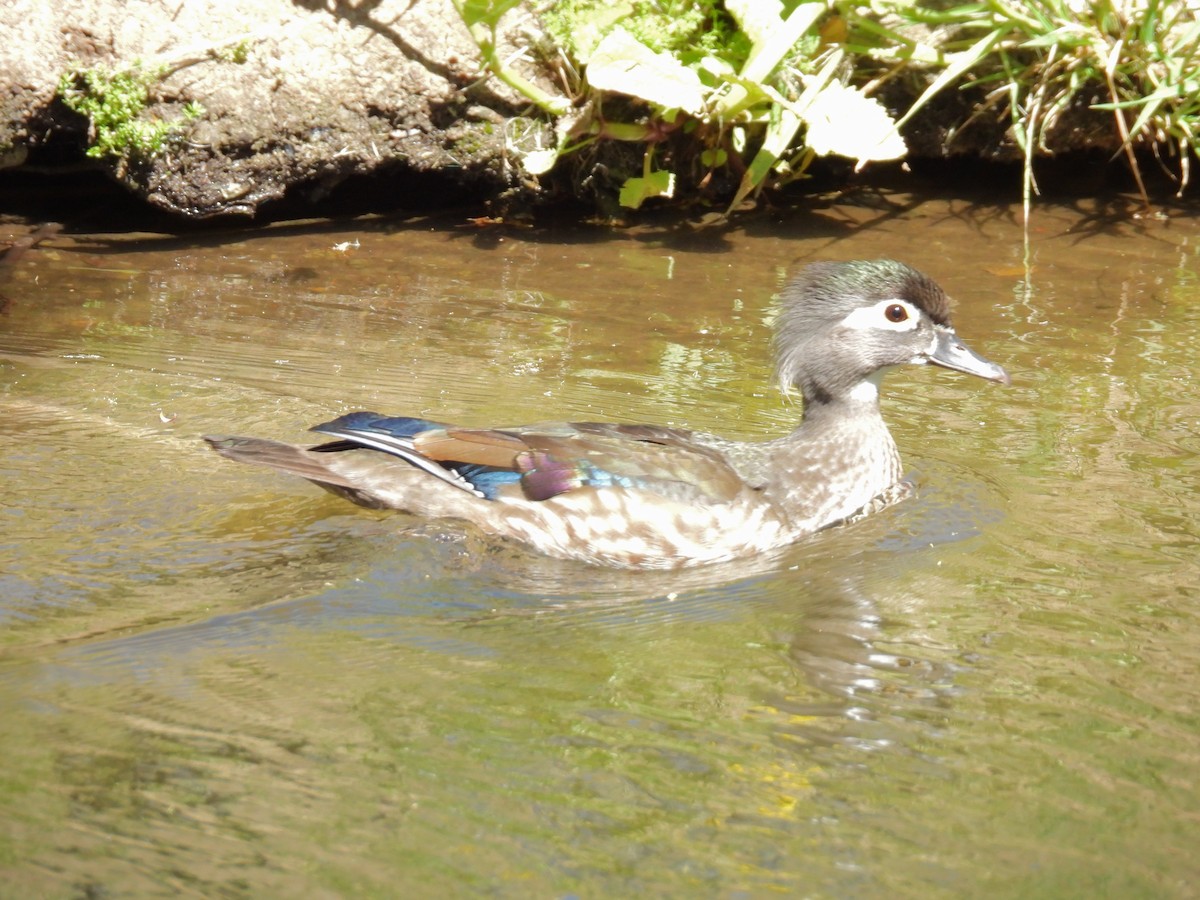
(843, 324)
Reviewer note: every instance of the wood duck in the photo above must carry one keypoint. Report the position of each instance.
(647, 496)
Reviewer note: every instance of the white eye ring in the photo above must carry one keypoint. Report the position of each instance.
(892, 314)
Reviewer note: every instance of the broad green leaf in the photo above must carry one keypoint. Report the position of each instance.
(715, 66)
(758, 19)
(741, 95)
(591, 22)
(624, 64)
(842, 121)
(635, 191)
(528, 139)
(539, 162)
(489, 12)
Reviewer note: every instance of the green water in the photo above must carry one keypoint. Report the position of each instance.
(216, 681)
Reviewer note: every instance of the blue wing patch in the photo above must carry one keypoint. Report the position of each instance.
(396, 426)
(488, 480)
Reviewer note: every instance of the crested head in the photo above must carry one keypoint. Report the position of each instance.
(826, 291)
(843, 323)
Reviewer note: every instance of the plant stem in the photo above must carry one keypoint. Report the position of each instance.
(555, 106)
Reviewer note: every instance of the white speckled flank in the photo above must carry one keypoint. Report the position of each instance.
(634, 529)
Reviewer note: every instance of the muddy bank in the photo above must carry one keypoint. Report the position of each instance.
(295, 97)
(294, 100)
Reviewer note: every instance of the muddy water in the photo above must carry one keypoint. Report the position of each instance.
(221, 682)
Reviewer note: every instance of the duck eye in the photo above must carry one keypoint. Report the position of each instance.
(896, 313)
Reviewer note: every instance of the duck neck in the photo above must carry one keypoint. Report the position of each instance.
(857, 403)
(839, 459)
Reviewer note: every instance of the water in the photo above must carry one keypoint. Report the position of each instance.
(216, 681)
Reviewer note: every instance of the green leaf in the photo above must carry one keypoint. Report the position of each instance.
(489, 12)
(635, 191)
(537, 147)
(624, 64)
(1066, 37)
(539, 162)
(588, 24)
(842, 121)
(741, 95)
(758, 19)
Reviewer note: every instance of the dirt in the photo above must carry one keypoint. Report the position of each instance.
(387, 92)
(326, 91)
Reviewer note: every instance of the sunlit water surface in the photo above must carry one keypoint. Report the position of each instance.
(216, 681)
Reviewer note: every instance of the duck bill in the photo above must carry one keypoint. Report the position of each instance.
(951, 353)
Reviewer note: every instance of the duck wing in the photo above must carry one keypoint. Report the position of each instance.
(539, 462)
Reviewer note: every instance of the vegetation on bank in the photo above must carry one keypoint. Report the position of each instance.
(114, 101)
(734, 96)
